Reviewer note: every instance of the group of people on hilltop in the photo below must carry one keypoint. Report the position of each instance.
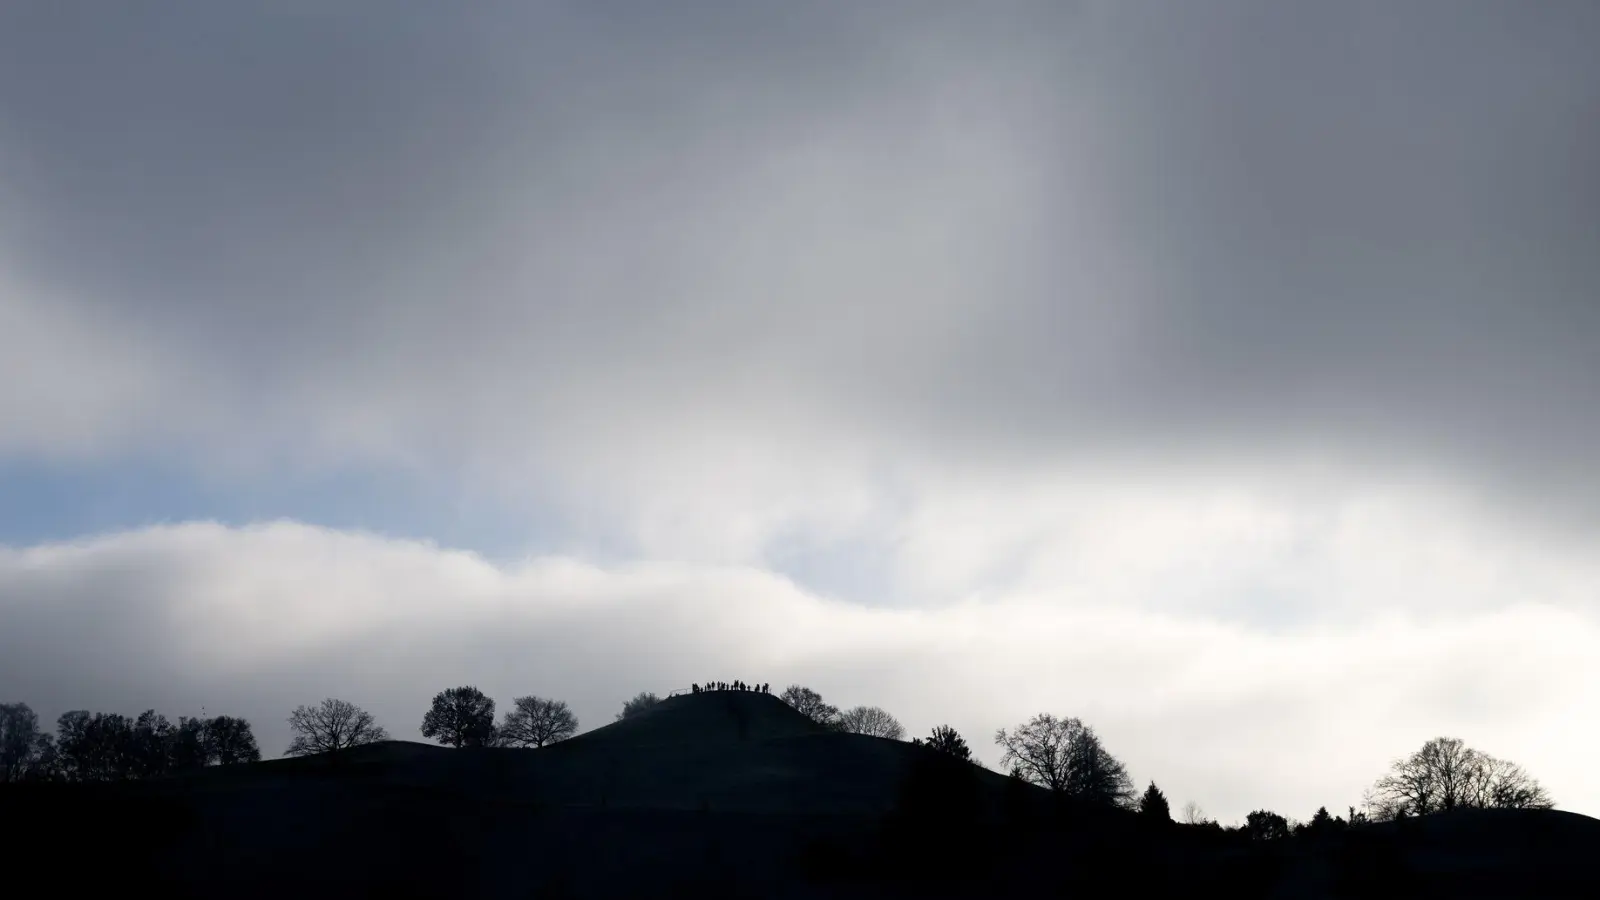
(729, 686)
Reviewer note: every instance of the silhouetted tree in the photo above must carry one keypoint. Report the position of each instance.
(809, 703)
(191, 747)
(641, 701)
(75, 753)
(535, 722)
(1322, 824)
(460, 717)
(45, 763)
(95, 746)
(1067, 757)
(945, 740)
(1263, 825)
(871, 720)
(1193, 814)
(230, 740)
(331, 726)
(19, 740)
(1153, 805)
(150, 745)
(1505, 785)
(1447, 774)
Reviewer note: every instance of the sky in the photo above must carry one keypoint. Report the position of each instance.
(1221, 374)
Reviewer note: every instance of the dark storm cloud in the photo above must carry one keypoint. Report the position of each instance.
(1365, 230)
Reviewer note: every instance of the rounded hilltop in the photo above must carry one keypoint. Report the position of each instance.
(708, 717)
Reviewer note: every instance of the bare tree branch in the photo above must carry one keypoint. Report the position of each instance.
(1447, 774)
(809, 703)
(1067, 757)
(331, 726)
(873, 721)
(536, 721)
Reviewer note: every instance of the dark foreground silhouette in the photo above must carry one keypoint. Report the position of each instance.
(723, 794)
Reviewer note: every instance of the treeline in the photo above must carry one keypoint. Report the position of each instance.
(111, 747)
(1063, 755)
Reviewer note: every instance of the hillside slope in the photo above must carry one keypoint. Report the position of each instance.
(721, 794)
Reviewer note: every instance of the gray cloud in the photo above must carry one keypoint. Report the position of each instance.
(1358, 230)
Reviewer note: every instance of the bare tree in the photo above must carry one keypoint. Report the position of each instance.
(1067, 757)
(460, 717)
(1447, 774)
(1193, 814)
(1037, 751)
(871, 720)
(535, 722)
(640, 702)
(331, 726)
(809, 703)
(1506, 785)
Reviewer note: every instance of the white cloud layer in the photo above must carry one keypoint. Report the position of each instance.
(255, 621)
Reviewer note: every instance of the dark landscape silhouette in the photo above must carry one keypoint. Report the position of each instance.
(728, 790)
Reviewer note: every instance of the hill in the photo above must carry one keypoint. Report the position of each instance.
(720, 794)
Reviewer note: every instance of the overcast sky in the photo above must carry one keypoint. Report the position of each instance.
(1221, 373)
